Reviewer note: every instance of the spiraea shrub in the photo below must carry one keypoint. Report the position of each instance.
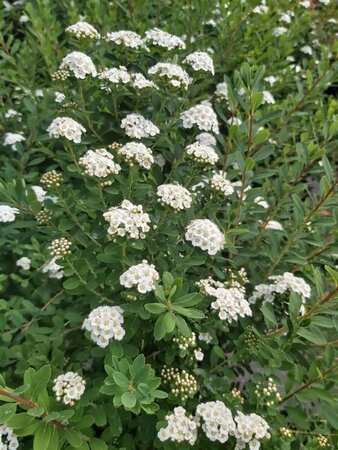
(169, 276)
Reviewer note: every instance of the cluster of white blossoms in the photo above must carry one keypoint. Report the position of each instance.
(69, 387)
(274, 225)
(126, 38)
(222, 91)
(7, 213)
(251, 428)
(173, 72)
(202, 153)
(278, 31)
(12, 139)
(206, 235)
(121, 75)
(40, 193)
(137, 127)
(201, 115)
(280, 285)
(206, 139)
(99, 163)
(66, 127)
(143, 276)
(261, 202)
(136, 152)
(180, 427)
(11, 113)
(163, 39)
(24, 263)
(268, 392)
(83, 30)
(220, 183)
(79, 64)
(8, 440)
(205, 337)
(200, 61)
(268, 98)
(175, 196)
(218, 423)
(230, 301)
(53, 269)
(105, 323)
(127, 220)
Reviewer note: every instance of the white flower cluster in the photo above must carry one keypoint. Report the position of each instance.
(218, 422)
(139, 81)
(121, 75)
(200, 61)
(201, 115)
(136, 151)
(24, 263)
(137, 127)
(104, 324)
(10, 113)
(278, 31)
(202, 153)
(53, 269)
(143, 275)
(281, 284)
(69, 387)
(59, 97)
(250, 429)
(173, 72)
(83, 30)
(206, 235)
(268, 98)
(180, 427)
(99, 163)
(230, 301)
(66, 127)
(261, 202)
(7, 213)
(8, 440)
(205, 337)
(40, 193)
(174, 195)
(80, 64)
(222, 91)
(12, 139)
(182, 383)
(274, 225)
(220, 183)
(127, 220)
(126, 38)
(206, 139)
(163, 39)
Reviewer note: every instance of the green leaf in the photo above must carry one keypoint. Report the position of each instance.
(43, 436)
(260, 137)
(73, 437)
(128, 399)
(7, 411)
(71, 283)
(20, 420)
(256, 100)
(182, 326)
(191, 313)
(97, 444)
(312, 334)
(269, 315)
(189, 299)
(160, 328)
(155, 308)
(36, 412)
(121, 380)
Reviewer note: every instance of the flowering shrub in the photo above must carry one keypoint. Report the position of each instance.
(169, 223)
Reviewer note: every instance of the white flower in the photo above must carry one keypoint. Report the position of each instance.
(305, 3)
(99, 163)
(59, 97)
(287, 17)
(38, 93)
(12, 139)
(173, 72)
(127, 220)
(250, 428)
(271, 80)
(163, 39)
(137, 127)
(201, 153)
(175, 196)
(8, 440)
(200, 61)
(274, 225)
(53, 269)
(104, 324)
(205, 234)
(268, 97)
(278, 31)
(40, 193)
(222, 91)
(201, 115)
(218, 423)
(115, 75)
(24, 263)
(69, 387)
(234, 121)
(180, 428)
(206, 139)
(126, 38)
(261, 202)
(66, 127)
(307, 50)
(205, 337)
(143, 275)
(199, 355)
(220, 183)
(324, 2)
(80, 64)
(139, 81)
(260, 9)
(83, 30)
(7, 213)
(136, 151)
(10, 113)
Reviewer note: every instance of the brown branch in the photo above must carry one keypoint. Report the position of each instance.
(45, 306)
